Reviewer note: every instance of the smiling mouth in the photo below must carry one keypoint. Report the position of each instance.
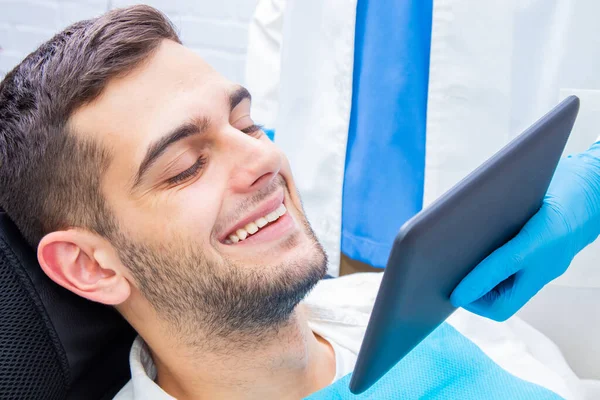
(254, 227)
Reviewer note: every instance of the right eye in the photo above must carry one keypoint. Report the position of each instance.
(188, 173)
(252, 129)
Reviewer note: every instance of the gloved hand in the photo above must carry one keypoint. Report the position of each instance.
(568, 220)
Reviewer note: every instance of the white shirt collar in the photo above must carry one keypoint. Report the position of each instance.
(143, 374)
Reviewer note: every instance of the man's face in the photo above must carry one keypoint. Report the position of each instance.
(210, 223)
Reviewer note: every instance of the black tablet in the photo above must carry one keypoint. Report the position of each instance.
(439, 246)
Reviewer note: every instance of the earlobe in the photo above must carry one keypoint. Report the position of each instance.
(69, 259)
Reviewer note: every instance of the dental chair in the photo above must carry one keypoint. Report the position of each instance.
(54, 345)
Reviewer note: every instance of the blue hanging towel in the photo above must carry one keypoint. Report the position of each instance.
(385, 158)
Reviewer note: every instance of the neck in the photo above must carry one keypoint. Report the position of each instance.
(288, 363)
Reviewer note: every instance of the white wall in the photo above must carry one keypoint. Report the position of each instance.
(216, 29)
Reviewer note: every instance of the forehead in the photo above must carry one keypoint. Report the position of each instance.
(158, 87)
(173, 85)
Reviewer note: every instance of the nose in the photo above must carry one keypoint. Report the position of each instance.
(255, 162)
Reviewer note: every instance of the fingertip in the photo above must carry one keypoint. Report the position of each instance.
(496, 310)
(456, 303)
(458, 298)
(473, 308)
(485, 306)
(468, 290)
(498, 314)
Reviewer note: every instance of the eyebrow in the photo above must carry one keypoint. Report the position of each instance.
(156, 149)
(237, 96)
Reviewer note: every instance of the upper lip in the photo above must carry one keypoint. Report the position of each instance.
(265, 208)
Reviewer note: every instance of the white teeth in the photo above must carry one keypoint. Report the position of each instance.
(261, 222)
(252, 228)
(272, 216)
(242, 234)
(281, 210)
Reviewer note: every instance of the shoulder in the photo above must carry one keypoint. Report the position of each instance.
(126, 393)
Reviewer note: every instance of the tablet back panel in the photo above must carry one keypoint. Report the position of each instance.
(438, 247)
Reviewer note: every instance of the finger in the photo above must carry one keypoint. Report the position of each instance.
(493, 270)
(506, 260)
(507, 299)
(493, 304)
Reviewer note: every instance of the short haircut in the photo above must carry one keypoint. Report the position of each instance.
(50, 179)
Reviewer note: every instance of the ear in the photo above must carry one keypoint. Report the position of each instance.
(86, 264)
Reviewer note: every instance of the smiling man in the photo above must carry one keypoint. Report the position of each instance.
(137, 172)
(139, 175)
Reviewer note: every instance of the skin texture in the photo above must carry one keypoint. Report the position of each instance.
(221, 320)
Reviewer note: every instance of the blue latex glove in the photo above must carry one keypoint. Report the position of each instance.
(568, 220)
(446, 365)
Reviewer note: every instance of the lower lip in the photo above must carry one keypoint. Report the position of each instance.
(277, 230)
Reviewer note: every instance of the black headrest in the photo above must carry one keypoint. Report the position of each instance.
(53, 343)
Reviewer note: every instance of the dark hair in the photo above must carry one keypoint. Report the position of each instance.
(49, 179)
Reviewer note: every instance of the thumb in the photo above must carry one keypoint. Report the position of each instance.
(493, 270)
(506, 299)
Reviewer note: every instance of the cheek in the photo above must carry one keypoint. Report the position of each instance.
(286, 172)
(196, 209)
(184, 216)
(285, 164)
